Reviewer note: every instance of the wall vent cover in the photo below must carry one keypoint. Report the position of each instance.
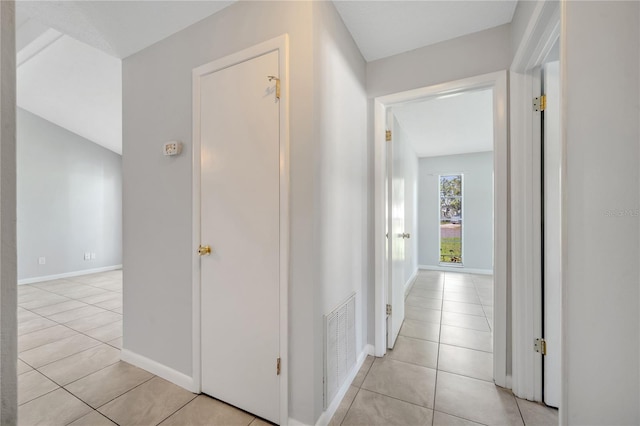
(340, 347)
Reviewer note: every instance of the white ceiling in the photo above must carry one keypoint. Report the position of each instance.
(386, 28)
(449, 125)
(76, 87)
(69, 52)
(119, 28)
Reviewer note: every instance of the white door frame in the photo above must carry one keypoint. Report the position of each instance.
(498, 82)
(540, 35)
(280, 44)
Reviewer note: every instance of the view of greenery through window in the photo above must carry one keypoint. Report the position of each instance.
(451, 219)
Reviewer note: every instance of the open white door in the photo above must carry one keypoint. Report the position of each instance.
(240, 221)
(396, 232)
(552, 154)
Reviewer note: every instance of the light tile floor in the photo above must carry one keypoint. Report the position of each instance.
(440, 370)
(69, 368)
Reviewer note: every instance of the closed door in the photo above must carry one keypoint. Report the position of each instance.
(396, 240)
(552, 250)
(240, 221)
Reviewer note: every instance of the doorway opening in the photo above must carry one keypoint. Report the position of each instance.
(390, 290)
(69, 210)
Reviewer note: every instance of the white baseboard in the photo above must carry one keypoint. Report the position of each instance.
(327, 414)
(158, 369)
(409, 284)
(460, 269)
(69, 274)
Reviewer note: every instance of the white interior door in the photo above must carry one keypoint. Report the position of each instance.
(396, 216)
(240, 220)
(552, 232)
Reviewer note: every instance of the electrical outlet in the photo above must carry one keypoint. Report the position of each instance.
(42, 260)
(87, 256)
(93, 256)
(172, 148)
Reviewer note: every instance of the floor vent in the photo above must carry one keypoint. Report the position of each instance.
(340, 347)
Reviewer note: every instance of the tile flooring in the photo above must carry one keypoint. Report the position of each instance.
(440, 370)
(69, 368)
(439, 373)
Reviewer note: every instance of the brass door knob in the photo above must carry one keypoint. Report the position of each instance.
(204, 250)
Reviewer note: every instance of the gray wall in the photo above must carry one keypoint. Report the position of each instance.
(477, 206)
(340, 125)
(467, 56)
(601, 201)
(69, 200)
(328, 182)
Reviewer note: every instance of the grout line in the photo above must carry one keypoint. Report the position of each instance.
(468, 377)
(40, 396)
(466, 347)
(79, 378)
(153, 376)
(358, 391)
(396, 398)
(68, 356)
(187, 403)
(519, 410)
(93, 409)
(352, 401)
(75, 331)
(459, 417)
(410, 363)
(435, 384)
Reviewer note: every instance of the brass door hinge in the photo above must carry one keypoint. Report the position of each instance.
(278, 366)
(273, 77)
(540, 104)
(389, 309)
(540, 346)
(387, 135)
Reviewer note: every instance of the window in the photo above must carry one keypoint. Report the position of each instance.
(451, 219)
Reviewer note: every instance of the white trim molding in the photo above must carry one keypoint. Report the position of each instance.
(69, 274)
(542, 32)
(498, 82)
(160, 370)
(539, 37)
(281, 45)
(409, 284)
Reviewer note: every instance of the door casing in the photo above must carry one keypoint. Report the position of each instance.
(498, 82)
(280, 44)
(526, 255)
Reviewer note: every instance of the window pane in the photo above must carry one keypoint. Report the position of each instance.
(451, 219)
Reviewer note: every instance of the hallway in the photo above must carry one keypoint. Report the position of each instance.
(440, 370)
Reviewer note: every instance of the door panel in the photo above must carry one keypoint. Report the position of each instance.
(240, 221)
(396, 238)
(552, 232)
